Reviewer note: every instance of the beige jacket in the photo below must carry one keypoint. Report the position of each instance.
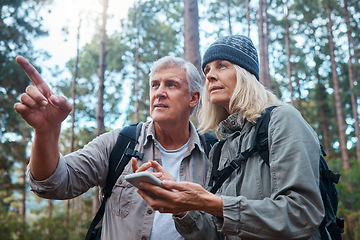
(127, 215)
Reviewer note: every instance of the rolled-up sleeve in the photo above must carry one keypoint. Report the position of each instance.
(197, 225)
(79, 171)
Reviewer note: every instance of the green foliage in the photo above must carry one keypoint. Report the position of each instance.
(152, 29)
(223, 14)
(9, 225)
(87, 80)
(19, 22)
(349, 205)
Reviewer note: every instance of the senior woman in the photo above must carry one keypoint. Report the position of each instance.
(279, 200)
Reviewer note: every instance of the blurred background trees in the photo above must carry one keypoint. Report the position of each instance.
(309, 54)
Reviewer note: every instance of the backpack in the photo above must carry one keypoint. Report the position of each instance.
(331, 227)
(121, 154)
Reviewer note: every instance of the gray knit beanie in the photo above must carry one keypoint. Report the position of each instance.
(236, 49)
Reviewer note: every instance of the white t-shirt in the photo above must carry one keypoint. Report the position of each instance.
(163, 226)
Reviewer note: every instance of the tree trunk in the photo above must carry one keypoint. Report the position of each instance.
(73, 93)
(102, 66)
(248, 15)
(339, 113)
(261, 42)
(191, 33)
(22, 210)
(288, 54)
(266, 35)
(100, 108)
(50, 214)
(137, 59)
(72, 129)
(298, 102)
(263, 74)
(322, 114)
(229, 16)
(353, 96)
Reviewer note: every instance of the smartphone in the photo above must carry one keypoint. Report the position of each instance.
(136, 178)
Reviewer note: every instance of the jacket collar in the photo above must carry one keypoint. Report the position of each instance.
(234, 122)
(194, 136)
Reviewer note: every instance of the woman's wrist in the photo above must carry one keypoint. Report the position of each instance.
(214, 205)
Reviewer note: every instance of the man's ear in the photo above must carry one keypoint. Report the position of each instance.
(195, 98)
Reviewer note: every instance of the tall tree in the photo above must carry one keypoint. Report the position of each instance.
(20, 24)
(248, 17)
(152, 30)
(353, 96)
(228, 17)
(100, 106)
(264, 74)
(137, 67)
(102, 67)
(335, 79)
(191, 33)
(288, 51)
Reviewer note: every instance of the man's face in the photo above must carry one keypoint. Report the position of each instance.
(170, 100)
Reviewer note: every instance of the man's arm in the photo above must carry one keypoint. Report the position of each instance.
(44, 111)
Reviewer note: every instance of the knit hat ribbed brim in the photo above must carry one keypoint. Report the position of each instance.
(237, 49)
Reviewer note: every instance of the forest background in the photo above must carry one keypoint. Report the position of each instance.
(309, 55)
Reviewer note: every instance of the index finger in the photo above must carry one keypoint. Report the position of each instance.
(156, 166)
(34, 76)
(180, 186)
(144, 167)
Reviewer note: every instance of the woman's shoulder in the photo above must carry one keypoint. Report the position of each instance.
(287, 115)
(285, 111)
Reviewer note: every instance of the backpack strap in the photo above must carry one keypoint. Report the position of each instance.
(261, 139)
(259, 144)
(208, 141)
(119, 158)
(215, 174)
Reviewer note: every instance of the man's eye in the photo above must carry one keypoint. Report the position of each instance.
(154, 85)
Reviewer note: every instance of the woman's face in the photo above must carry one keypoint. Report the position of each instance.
(220, 82)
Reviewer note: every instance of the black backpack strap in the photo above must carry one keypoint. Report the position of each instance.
(215, 174)
(331, 224)
(119, 158)
(259, 144)
(261, 140)
(208, 141)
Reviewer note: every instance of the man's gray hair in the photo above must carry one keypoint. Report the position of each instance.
(193, 76)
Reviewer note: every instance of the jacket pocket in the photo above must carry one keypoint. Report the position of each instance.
(121, 197)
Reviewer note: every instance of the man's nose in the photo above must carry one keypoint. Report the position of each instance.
(161, 91)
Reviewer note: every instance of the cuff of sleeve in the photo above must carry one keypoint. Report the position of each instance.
(187, 222)
(50, 182)
(231, 220)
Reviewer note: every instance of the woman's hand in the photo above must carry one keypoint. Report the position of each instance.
(185, 196)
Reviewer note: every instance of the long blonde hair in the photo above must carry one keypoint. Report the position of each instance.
(250, 98)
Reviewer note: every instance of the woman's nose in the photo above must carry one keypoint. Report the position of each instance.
(211, 75)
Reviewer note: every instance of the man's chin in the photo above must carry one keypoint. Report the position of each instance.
(158, 116)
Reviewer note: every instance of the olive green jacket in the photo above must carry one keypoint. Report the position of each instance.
(280, 201)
